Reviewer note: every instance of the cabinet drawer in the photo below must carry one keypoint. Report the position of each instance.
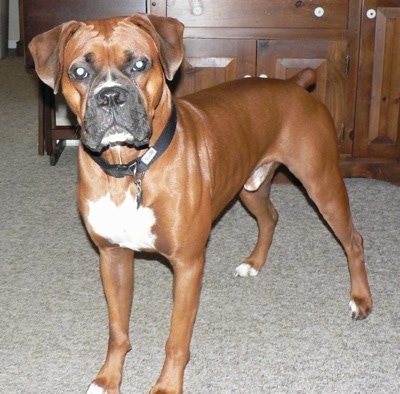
(317, 14)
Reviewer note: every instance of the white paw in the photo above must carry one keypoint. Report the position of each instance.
(353, 309)
(245, 270)
(95, 389)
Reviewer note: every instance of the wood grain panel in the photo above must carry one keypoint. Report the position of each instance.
(210, 62)
(260, 13)
(378, 100)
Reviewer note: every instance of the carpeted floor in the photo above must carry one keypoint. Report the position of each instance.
(284, 331)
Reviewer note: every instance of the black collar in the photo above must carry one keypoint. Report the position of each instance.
(142, 163)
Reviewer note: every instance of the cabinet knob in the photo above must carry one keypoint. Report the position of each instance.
(260, 76)
(197, 7)
(371, 13)
(319, 12)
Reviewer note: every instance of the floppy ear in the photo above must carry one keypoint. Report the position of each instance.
(167, 33)
(47, 50)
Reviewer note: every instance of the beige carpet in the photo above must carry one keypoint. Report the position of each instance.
(284, 331)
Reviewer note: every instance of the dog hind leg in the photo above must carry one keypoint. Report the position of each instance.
(328, 191)
(260, 206)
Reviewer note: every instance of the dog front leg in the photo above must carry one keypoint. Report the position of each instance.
(116, 267)
(187, 286)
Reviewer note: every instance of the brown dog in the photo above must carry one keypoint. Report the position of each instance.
(155, 172)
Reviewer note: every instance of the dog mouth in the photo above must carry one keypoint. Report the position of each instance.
(118, 135)
(114, 135)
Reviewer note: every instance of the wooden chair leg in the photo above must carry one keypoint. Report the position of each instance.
(51, 138)
(41, 131)
(54, 146)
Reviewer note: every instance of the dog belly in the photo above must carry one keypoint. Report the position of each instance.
(124, 225)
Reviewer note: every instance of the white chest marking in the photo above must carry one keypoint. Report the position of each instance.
(125, 224)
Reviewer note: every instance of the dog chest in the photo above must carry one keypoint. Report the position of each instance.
(125, 224)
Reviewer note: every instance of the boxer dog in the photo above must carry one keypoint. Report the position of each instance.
(154, 171)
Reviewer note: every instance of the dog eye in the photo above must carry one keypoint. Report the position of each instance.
(80, 73)
(139, 65)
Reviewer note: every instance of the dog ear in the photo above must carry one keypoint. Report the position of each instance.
(168, 36)
(47, 50)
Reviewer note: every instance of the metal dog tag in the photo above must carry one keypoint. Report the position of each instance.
(148, 156)
(139, 195)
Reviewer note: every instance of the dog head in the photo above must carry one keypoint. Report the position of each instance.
(112, 73)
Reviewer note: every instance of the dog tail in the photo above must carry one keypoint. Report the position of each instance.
(305, 78)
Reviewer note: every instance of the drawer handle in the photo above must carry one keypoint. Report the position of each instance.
(197, 7)
(371, 13)
(319, 12)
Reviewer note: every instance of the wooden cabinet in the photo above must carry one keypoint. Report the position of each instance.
(378, 104)
(352, 45)
(226, 40)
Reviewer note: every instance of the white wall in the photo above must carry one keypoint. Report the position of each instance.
(13, 24)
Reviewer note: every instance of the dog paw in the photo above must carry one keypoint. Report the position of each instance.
(360, 309)
(245, 270)
(95, 389)
(353, 308)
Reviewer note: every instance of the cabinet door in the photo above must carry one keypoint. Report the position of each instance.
(378, 96)
(284, 58)
(209, 62)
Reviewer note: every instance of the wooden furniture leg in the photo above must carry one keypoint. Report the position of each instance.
(51, 138)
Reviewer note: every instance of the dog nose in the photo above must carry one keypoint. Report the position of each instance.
(111, 97)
